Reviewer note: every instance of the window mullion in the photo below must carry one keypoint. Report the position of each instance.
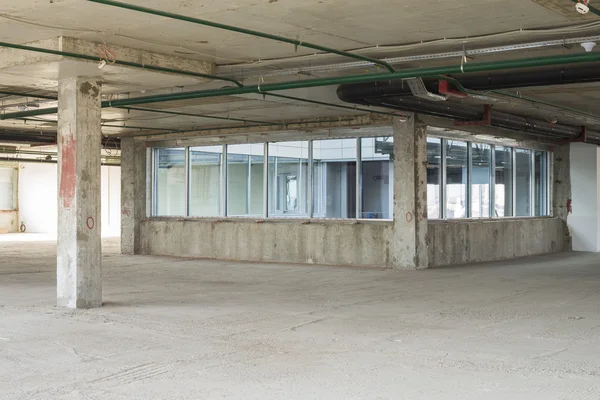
(187, 166)
(266, 181)
(492, 181)
(309, 187)
(443, 178)
(358, 178)
(224, 182)
(469, 204)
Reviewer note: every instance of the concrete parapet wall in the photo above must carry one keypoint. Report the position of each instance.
(460, 242)
(346, 243)
(327, 242)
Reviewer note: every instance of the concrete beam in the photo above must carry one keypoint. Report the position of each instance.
(79, 270)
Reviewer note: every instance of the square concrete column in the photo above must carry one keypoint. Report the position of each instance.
(561, 189)
(79, 253)
(133, 194)
(409, 232)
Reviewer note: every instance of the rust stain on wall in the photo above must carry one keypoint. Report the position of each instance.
(67, 172)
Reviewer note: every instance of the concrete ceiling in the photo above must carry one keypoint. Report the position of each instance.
(398, 28)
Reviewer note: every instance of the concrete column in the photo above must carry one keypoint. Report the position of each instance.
(133, 194)
(584, 221)
(79, 270)
(409, 237)
(561, 188)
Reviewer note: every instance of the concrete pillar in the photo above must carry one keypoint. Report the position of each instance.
(409, 237)
(561, 188)
(584, 221)
(79, 269)
(133, 194)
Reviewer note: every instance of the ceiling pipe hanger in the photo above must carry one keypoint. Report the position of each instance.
(297, 43)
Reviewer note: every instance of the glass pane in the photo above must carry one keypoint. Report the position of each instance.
(377, 177)
(523, 183)
(541, 183)
(205, 181)
(504, 182)
(334, 172)
(8, 182)
(480, 179)
(170, 182)
(245, 165)
(456, 179)
(434, 176)
(288, 179)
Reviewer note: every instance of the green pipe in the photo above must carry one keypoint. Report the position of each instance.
(408, 73)
(322, 103)
(594, 10)
(295, 42)
(199, 115)
(117, 62)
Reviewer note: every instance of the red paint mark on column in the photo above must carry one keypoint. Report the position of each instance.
(66, 190)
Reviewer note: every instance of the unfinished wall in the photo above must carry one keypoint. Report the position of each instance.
(38, 198)
(364, 244)
(460, 242)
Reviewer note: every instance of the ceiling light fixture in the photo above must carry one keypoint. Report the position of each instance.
(582, 6)
(588, 46)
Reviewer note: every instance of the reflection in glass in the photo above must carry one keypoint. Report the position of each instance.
(504, 182)
(170, 182)
(377, 177)
(523, 182)
(456, 179)
(245, 165)
(205, 181)
(334, 172)
(480, 179)
(288, 179)
(434, 176)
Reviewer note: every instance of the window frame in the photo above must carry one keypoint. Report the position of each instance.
(547, 198)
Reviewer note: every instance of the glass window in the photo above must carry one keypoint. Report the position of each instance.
(523, 182)
(481, 173)
(245, 166)
(205, 181)
(456, 179)
(334, 172)
(504, 182)
(170, 182)
(377, 177)
(288, 179)
(541, 183)
(434, 177)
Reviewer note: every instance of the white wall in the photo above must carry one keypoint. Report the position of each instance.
(38, 198)
(583, 222)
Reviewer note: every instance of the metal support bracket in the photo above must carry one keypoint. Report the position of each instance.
(485, 121)
(444, 88)
(418, 89)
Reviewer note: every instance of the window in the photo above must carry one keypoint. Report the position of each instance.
(377, 178)
(434, 176)
(245, 182)
(503, 189)
(8, 188)
(456, 179)
(334, 175)
(523, 169)
(205, 181)
(288, 179)
(170, 182)
(541, 183)
(481, 173)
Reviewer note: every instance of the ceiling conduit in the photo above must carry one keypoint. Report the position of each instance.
(308, 83)
(231, 28)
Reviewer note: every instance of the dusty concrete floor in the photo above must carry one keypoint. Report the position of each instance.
(191, 329)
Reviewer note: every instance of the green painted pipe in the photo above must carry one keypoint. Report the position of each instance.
(308, 83)
(118, 62)
(295, 42)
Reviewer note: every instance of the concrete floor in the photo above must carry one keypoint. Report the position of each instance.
(192, 329)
